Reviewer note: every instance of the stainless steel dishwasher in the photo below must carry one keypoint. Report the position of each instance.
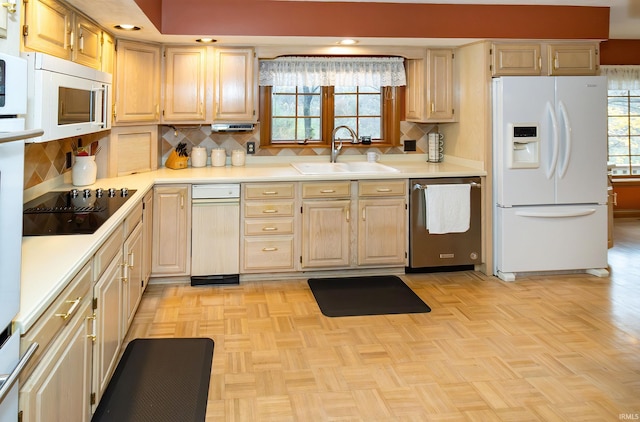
(215, 234)
(450, 250)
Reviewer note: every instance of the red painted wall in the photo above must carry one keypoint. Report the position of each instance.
(388, 20)
(620, 52)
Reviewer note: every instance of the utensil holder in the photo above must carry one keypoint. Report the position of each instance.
(84, 170)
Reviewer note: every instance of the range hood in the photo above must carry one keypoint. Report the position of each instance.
(232, 127)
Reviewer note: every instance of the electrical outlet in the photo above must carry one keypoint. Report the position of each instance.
(251, 147)
(68, 163)
(410, 145)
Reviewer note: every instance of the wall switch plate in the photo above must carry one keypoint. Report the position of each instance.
(251, 147)
(410, 145)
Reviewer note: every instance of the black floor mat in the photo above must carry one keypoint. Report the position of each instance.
(375, 295)
(159, 380)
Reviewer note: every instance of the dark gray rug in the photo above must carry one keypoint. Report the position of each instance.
(159, 380)
(372, 295)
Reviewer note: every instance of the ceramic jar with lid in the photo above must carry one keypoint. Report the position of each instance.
(198, 157)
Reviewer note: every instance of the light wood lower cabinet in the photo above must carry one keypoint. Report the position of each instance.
(335, 235)
(108, 324)
(61, 366)
(268, 241)
(58, 390)
(382, 222)
(133, 282)
(171, 249)
(147, 235)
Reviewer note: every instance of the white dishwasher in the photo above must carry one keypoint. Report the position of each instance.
(215, 234)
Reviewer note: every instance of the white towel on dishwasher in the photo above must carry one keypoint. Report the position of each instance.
(447, 208)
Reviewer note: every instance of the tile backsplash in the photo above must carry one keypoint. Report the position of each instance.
(47, 160)
(202, 136)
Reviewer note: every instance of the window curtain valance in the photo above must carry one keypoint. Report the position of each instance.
(622, 77)
(333, 71)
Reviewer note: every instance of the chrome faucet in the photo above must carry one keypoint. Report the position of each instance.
(335, 151)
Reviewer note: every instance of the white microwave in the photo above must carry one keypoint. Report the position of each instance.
(66, 99)
(13, 85)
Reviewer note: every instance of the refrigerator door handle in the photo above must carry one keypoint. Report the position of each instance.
(567, 140)
(555, 146)
(555, 214)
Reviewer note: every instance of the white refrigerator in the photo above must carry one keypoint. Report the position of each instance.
(550, 174)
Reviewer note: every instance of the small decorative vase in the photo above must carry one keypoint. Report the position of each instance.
(84, 170)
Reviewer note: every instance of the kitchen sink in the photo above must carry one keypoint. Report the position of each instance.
(355, 167)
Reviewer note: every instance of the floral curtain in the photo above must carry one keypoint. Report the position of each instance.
(333, 71)
(622, 77)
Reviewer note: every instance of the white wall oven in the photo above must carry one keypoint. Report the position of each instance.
(12, 135)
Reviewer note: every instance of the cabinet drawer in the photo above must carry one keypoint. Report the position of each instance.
(382, 188)
(132, 220)
(275, 226)
(274, 253)
(268, 209)
(105, 254)
(61, 311)
(269, 190)
(326, 190)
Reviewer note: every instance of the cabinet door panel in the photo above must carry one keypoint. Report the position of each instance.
(87, 50)
(171, 234)
(516, 59)
(138, 82)
(381, 231)
(107, 293)
(573, 59)
(234, 85)
(133, 286)
(185, 84)
(327, 233)
(49, 27)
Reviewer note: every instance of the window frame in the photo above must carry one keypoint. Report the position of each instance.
(391, 111)
(629, 134)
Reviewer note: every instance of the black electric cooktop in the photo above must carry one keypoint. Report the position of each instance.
(78, 211)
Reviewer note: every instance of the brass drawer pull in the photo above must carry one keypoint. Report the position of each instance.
(270, 211)
(269, 229)
(383, 190)
(271, 249)
(71, 310)
(270, 192)
(328, 191)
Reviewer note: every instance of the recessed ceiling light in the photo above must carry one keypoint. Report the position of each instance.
(348, 42)
(206, 40)
(127, 27)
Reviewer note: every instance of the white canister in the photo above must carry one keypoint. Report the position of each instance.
(238, 157)
(218, 157)
(84, 170)
(198, 157)
(372, 156)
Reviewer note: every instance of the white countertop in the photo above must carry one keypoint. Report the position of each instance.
(49, 263)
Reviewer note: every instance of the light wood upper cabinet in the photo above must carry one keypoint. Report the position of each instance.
(516, 59)
(108, 53)
(235, 85)
(573, 59)
(87, 42)
(53, 28)
(430, 87)
(137, 86)
(48, 26)
(185, 84)
(171, 249)
(553, 59)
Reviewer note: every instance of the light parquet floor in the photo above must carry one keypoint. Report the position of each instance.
(545, 348)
